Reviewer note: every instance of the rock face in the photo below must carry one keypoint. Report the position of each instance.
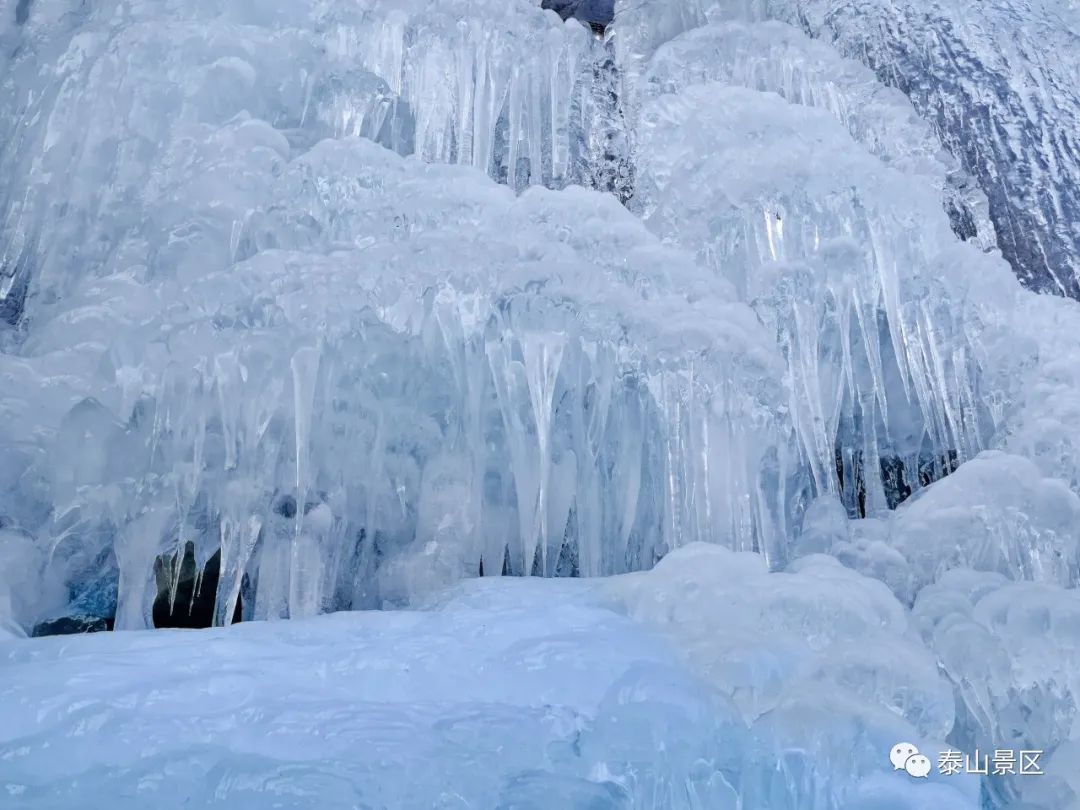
(1007, 106)
(591, 11)
(72, 625)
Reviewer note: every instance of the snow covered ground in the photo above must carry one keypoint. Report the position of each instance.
(736, 689)
(492, 699)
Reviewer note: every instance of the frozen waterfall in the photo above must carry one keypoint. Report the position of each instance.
(726, 309)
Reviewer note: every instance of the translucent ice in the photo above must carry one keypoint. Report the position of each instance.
(1011, 650)
(311, 291)
(499, 697)
(883, 318)
(808, 658)
(996, 513)
(117, 111)
(395, 337)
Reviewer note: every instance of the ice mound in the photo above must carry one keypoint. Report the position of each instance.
(809, 659)
(1049, 400)
(996, 513)
(1013, 653)
(887, 324)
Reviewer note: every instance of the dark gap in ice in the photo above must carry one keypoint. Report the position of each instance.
(598, 14)
(900, 477)
(22, 12)
(285, 506)
(567, 565)
(537, 563)
(196, 591)
(13, 303)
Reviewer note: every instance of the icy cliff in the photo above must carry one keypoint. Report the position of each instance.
(317, 306)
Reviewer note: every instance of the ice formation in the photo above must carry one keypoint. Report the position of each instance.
(997, 84)
(543, 364)
(872, 298)
(525, 380)
(776, 57)
(354, 301)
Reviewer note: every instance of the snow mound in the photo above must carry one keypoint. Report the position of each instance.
(809, 659)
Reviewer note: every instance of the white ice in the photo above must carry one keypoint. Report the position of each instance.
(504, 693)
(317, 285)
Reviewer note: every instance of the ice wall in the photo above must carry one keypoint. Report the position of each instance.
(884, 319)
(496, 86)
(406, 373)
(311, 288)
(337, 316)
(102, 101)
(821, 229)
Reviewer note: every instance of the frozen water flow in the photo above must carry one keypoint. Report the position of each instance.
(464, 344)
(502, 696)
(504, 693)
(1011, 650)
(304, 307)
(996, 513)
(123, 93)
(807, 657)
(884, 320)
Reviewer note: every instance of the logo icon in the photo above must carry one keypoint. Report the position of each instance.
(906, 757)
(918, 766)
